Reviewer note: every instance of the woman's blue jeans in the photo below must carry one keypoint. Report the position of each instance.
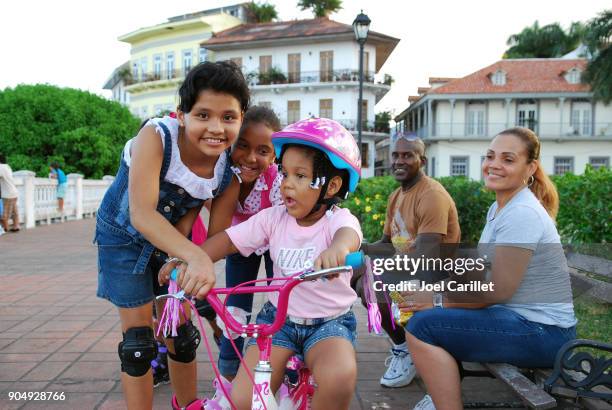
(491, 335)
(239, 269)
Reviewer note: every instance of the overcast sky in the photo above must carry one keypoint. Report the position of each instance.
(74, 43)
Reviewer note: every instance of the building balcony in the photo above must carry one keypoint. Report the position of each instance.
(276, 80)
(545, 130)
(153, 79)
(369, 127)
(275, 76)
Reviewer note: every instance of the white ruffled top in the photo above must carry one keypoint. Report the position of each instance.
(178, 173)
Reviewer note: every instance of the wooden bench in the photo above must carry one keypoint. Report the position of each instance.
(530, 394)
(579, 376)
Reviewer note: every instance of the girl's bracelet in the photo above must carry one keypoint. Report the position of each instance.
(175, 259)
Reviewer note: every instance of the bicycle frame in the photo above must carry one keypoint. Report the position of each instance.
(263, 397)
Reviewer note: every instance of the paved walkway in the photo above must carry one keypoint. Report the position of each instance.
(56, 336)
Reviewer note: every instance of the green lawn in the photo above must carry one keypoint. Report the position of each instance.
(594, 319)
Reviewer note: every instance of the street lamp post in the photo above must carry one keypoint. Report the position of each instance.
(361, 25)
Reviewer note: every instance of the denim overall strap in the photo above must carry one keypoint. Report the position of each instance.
(227, 176)
(148, 247)
(167, 152)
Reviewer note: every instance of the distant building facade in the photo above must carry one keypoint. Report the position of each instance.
(457, 117)
(310, 68)
(161, 55)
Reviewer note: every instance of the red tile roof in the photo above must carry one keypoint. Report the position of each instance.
(522, 76)
(436, 80)
(298, 30)
(278, 30)
(284, 29)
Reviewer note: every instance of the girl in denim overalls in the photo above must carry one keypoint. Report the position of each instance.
(167, 171)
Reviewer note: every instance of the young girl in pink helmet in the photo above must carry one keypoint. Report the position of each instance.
(320, 164)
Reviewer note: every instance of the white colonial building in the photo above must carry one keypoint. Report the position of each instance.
(161, 55)
(458, 117)
(310, 68)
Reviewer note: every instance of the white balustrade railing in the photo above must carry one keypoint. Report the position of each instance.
(37, 200)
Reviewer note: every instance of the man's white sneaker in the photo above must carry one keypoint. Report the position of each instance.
(400, 369)
(426, 403)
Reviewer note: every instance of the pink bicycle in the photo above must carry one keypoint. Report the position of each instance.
(290, 396)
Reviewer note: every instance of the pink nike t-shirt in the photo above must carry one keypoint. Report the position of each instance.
(292, 247)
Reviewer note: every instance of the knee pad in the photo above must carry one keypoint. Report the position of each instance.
(137, 350)
(205, 310)
(186, 342)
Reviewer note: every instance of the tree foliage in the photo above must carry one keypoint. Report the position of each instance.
(544, 42)
(599, 70)
(263, 12)
(85, 133)
(381, 121)
(321, 8)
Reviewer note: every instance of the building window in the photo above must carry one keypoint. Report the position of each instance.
(365, 154)
(433, 167)
(499, 78)
(157, 66)
(599, 162)
(527, 114)
(293, 111)
(143, 68)
(475, 125)
(573, 76)
(326, 108)
(326, 65)
(563, 165)
(366, 66)
(364, 115)
(294, 67)
(482, 159)
(459, 166)
(581, 118)
(135, 71)
(266, 104)
(187, 61)
(203, 54)
(170, 66)
(265, 64)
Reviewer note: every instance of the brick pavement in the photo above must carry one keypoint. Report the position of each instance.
(56, 335)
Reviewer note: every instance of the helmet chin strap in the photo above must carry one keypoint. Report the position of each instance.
(322, 184)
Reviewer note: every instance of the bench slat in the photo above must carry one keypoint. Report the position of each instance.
(529, 393)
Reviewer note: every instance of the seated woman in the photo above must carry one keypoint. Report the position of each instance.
(529, 313)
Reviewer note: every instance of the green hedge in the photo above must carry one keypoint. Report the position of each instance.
(585, 211)
(584, 214)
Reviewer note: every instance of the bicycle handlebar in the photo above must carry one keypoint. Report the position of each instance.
(352, 260)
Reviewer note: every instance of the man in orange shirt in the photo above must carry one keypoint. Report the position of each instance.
(421, 216)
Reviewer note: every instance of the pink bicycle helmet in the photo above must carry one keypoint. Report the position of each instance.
(328, 136)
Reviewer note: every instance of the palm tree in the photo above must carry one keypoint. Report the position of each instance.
(321, 8)
(598, 39)
(544, 42)
(263, 12)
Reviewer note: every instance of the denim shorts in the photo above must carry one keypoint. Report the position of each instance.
(118, 281)
(491, 335)
(61, 190)
(301, 338)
